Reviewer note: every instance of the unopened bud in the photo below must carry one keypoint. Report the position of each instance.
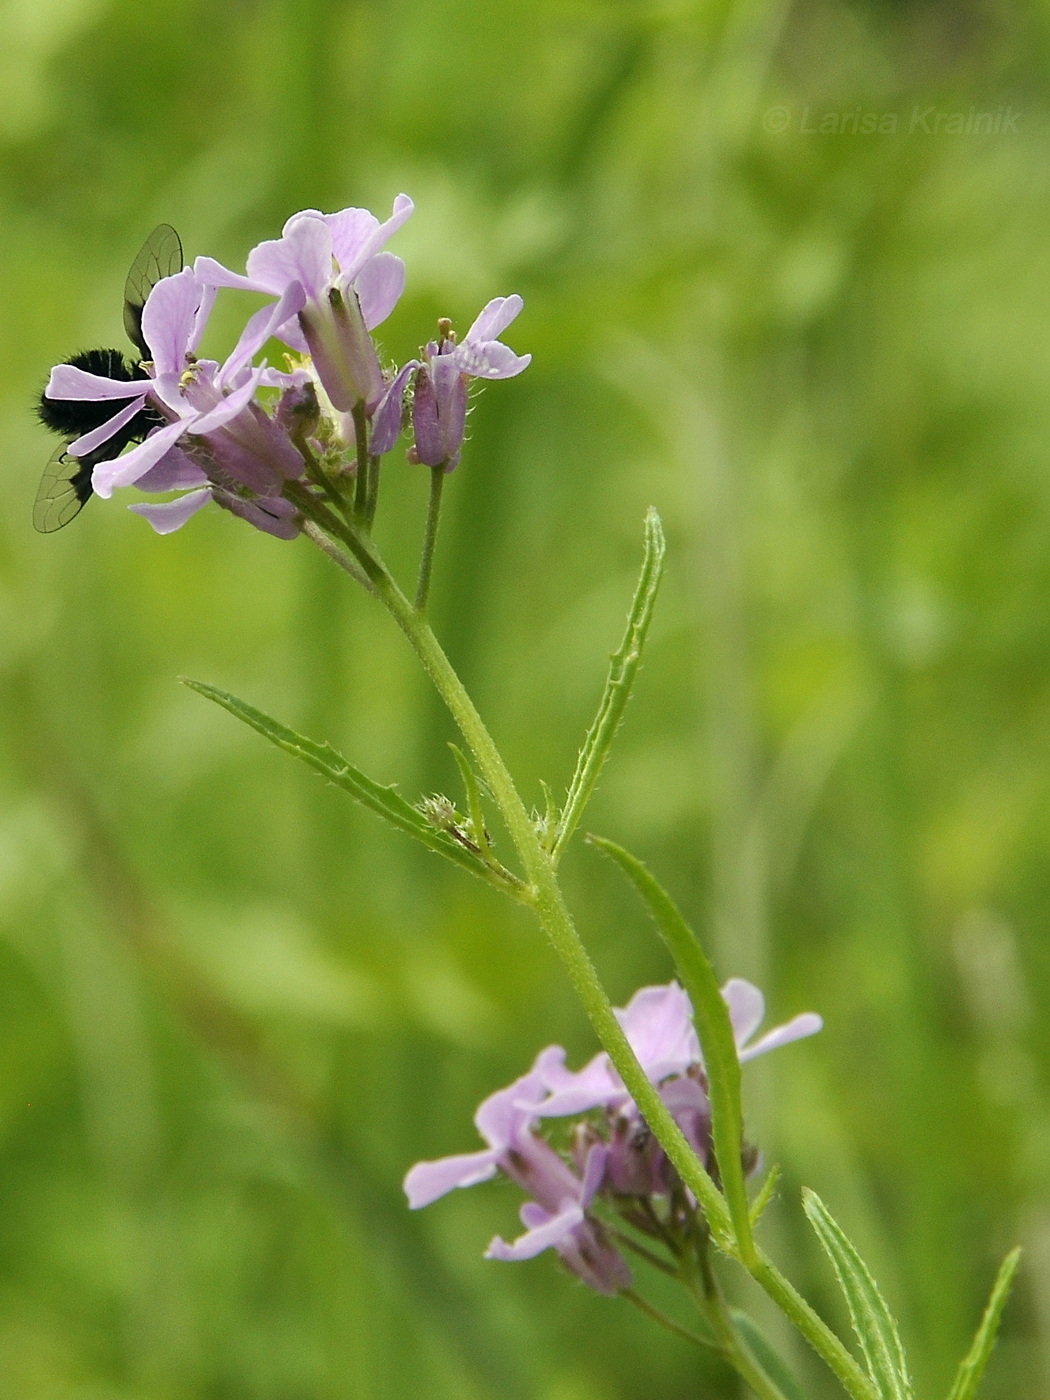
(440, 812)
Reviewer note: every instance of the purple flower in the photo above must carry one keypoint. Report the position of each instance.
(349, 287)
(439, 404)
(217, 443)
(615, 1159)
(504, 1121)
(747, 1007)
(556, 1217)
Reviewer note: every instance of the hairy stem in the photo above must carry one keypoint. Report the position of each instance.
(372, 492)
(361, 480)
(426, 560)
(321, 540)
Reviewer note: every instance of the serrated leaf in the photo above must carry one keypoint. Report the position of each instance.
(872, 1320)
(971, 1368)
(713, 1025)
(623, 668)
(386, 802)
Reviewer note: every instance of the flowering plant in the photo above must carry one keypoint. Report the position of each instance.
(614, 1159)
(642, 1151)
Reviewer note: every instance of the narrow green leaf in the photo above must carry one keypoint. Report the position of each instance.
(872, 1320)
(623, 668)
(765, 1195)
(770, 1360)
(715, 1030)
(971, 1368)
(386, 802)
(470, 786)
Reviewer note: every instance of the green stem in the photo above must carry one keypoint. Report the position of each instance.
(361, 479)
(816, 1332)
(426, 559)
(372, 494)
(321, 540)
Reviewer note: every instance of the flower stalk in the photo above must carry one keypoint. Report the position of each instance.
(426, 561)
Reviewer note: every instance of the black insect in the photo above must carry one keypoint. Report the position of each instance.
(65, 486)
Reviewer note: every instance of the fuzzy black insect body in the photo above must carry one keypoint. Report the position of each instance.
(65, 486)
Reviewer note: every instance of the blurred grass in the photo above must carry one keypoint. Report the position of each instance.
(233, 1011)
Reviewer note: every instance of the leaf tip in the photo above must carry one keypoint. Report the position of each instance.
(654, 530)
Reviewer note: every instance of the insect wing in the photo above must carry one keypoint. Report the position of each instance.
(63, 491)
(159, 257)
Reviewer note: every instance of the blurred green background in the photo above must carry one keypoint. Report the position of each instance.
(232, 1010)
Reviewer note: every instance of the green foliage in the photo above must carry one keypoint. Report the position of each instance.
(386, 802)
(872, 1320)
(623, 669)
(971, 1368)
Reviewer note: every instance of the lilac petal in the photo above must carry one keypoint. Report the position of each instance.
(98, 436)
(273, 378)
(494, 319)
(273, 515)
(125, 470)
(531, 1163)
(386, 421)
(212, 274)
(292, 335)
(532, 1214)
(357, 235)
(303, 254)
(261, 327)
(593, 1172)
(796, 1029)
(68, 382)
(229, 408)
(379, 285)
(168, 516)
(746, 1006)
(427, 1181)
(543, 1235)
(352, 233)
(691, 1110)
(170, 390)
(208, 295)
(593, 1087)
(658, 1021)
(174, 472)
(489, 359)
(503, 1114)
(169, 320)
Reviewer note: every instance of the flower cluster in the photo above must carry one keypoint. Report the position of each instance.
(609, 1158)
(265, 442)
